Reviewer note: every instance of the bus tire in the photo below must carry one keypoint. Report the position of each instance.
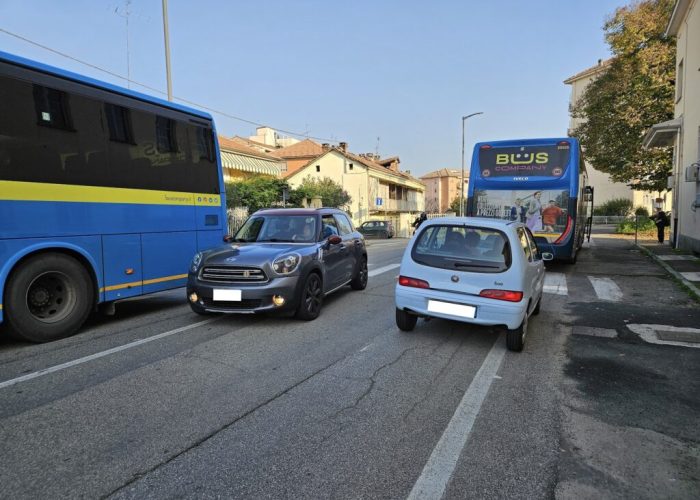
(48, 297)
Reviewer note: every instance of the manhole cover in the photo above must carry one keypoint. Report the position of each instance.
(693, 338)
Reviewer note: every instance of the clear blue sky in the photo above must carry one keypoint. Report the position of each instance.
(404, 71)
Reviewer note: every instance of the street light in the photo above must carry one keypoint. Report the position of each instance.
(461, 187)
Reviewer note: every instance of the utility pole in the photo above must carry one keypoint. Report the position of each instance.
(461, 187)
(166, 34)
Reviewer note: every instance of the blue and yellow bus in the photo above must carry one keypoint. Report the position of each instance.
(540, 182)
(105, 194)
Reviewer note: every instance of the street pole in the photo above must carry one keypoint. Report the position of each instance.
(167, 49)
(461, 187)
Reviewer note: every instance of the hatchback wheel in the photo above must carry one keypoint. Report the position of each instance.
(405, 321)
(311, 298)
(359, 282)
(515, 339)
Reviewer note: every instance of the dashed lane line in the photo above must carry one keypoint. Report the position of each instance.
(383, 269)
(555, 283)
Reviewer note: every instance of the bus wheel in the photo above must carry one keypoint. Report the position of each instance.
(49, 297)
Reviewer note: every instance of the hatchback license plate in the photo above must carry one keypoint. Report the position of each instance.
(227, 295)
(453, 309)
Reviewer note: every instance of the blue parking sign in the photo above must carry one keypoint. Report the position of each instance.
(379, 202)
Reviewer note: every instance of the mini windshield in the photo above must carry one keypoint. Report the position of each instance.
(544, 212)
(279, 228)
(463, 248)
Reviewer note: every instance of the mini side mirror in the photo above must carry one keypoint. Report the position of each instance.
(228, 238)
(335, 239)
(546, 256)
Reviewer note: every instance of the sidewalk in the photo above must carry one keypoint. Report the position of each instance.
(684, 266)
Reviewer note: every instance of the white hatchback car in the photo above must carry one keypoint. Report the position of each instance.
(474, 270)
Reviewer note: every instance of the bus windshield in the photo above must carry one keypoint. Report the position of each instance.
(544, 212)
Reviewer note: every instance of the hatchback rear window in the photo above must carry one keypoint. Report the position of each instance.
(465, 248)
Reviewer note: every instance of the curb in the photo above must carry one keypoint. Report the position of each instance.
(690, 286)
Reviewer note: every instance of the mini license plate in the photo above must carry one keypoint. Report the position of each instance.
(453, 309)
(227, 295)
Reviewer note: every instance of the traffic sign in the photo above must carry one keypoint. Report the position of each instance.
(379, 202)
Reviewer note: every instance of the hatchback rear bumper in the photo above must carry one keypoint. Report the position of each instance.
(489, 312)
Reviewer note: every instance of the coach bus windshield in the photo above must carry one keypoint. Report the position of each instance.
(543, 211)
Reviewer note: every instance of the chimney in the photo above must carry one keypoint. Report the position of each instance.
(343, 146)
(325, 147)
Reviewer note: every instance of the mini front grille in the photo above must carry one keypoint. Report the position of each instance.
(242, 305)
(225, 274)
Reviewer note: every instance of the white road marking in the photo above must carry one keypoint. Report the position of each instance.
(691, 276)
(442, 462)
(365, 348)
(85, 359)
(606, 289)
(382, 269)
(649, 334)
(555, 283)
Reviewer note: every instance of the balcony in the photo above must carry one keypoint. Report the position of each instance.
(396, 206)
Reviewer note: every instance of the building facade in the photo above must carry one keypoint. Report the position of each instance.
(377, 191)
(441, 188)
(240, 161)
(605, 188)
(683, 132)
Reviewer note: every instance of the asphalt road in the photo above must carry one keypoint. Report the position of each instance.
(156, 403)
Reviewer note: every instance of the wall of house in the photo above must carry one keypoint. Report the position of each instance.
(688, 142)
(354, 181)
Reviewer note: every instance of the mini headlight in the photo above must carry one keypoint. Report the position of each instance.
(196, 261)
(286, 264)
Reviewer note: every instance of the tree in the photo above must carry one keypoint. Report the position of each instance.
(454, 206)
(331, 193)
(635, 92)
(255, 192)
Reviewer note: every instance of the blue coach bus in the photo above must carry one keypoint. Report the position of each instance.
(105, 194)
(540, 182)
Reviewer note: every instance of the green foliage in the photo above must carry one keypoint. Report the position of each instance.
(644, 226)
(331, 193)
(633, 93)
(255, 193)
(454, 206)
(616, 206)
(641, 211)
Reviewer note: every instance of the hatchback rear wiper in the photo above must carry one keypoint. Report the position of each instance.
(465, 264)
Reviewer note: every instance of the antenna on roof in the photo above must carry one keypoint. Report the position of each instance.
(376, 148)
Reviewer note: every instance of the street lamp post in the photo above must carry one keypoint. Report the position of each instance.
(461, 187)
(166, 35)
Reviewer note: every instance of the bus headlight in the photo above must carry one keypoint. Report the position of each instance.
(286, 264)
(196, 261)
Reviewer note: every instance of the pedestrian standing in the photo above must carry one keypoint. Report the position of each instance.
(661, 221)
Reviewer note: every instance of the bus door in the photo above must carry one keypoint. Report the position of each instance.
(588, 202)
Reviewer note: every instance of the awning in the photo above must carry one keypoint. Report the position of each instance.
(249, 164)
(662, 134)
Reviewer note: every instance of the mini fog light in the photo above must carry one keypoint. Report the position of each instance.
(193, 297)
(278, 300)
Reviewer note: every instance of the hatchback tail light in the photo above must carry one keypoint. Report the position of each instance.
(508, 295)
(413, 282)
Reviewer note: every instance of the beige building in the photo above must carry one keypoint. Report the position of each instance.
(379, 190)
(269, 137)
(441, 188)
(240, 161)
(683, 132)
(605, 188)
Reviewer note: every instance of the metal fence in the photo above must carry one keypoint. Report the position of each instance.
(610, 219)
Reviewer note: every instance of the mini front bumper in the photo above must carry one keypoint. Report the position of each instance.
(255, 298)
(489, 312)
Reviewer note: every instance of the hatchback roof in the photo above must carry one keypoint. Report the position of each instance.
(297, 211)
(475, 221)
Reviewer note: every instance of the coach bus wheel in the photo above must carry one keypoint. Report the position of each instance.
(49, 297)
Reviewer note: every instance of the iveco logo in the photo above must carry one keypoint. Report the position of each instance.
(455, 278)
(231, 259)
